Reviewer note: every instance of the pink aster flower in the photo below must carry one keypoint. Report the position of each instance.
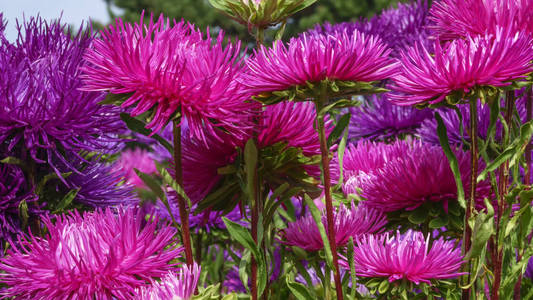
(169, 68)
(175, 286)
(97, 255)
(407, 256)
(349, 222)
(454, 19)
(461, 66)
(316, 57)
(135, 159)
(404, 175)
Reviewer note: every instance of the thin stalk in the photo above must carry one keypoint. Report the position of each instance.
(184, 210)
(327, 191)
(260, 37)
(199, 246)
(502, 190)
(467, 236)
(529, 100)
(255, 220)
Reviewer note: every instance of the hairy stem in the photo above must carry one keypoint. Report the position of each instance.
(184, 210)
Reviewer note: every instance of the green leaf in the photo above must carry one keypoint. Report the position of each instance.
(168, 179)
(351, 261)
(418, 216)
(23, 213)
(452, 159)
(10, 160)
(383, 286)
(138, 126)
(66, 201)
(115, 99)
(439, 222)
(339, 129)
(152, 184)
(298, 290)
(40, 186)
(315, 213)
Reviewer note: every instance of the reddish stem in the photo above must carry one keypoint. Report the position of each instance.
(182, 205)
(329, 201)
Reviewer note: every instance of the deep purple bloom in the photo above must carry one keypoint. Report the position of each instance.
(316, 57)
(169, 67)
(43, 114)
(95, 255)
(349, 222)
(379, 119)
(462, 65)
(178, 285)
(407, 256)
(405, 174)
(398, 27)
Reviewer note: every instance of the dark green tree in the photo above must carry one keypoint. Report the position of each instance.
(201, 13)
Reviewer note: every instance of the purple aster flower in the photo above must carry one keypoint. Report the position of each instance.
(379, 119)
(398, 27)
(428, 129)
(349, 222)
(169, 68)
(405, 174)
(43, 114)
(135, 159)
(175, 285)
(99, 185)
(407, 256)
(13, 190)
(461, 66)
(316, 57)
(95, 255)
(232, 281)
(529, 269)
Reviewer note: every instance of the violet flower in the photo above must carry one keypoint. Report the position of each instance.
(95, 255)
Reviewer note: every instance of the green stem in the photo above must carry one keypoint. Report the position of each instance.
(260, 37)
(184, 210)
(319, 104)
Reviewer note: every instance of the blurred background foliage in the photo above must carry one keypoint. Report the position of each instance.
(201, 13)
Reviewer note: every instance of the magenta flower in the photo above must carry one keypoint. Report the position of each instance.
(404, 175)
(462, 66)
(453, 19)
(407, 256)
(175, 286)
(98, 255)
(135, 159)
(170, 68)
(317, 57)
(349, 222)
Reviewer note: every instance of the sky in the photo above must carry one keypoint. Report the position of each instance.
(74, 11)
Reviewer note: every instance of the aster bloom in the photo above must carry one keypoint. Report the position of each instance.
(169, 68)
(379, 119)
(398, 27)
(405, 175)
(95, 255)
(42, 109)
(260, 13)
(349, 222)
(135, 159)
(408, 256)
(453, 19)
(175, 285)
(354, 57)
(461, 67)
